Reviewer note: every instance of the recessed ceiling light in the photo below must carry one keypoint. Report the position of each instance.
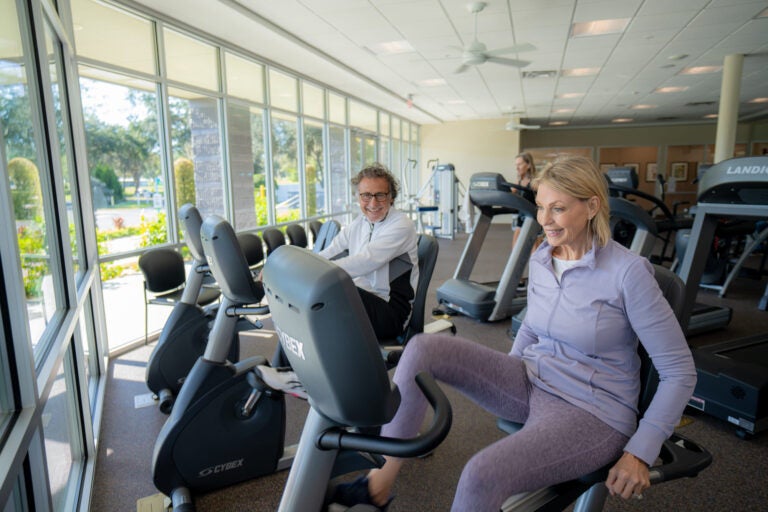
(599, 27)
(392, 47)
(558, 123)
(622, 120)
(759, 100)
(642, 107)
(711, 116)
(581, 71)
(432, 82)
(700, 70)
(550, 73)
(569, 95)
(671, 88)
(562, 110)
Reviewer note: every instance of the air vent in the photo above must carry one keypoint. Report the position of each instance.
(540, 74)
(700, 103)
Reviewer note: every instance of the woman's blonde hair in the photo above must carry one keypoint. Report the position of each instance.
(579, 177)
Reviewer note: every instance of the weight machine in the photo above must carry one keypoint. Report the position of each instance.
(444, 191)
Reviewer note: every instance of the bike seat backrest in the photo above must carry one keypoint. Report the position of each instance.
(328, 339)
(191, 221)
(632, 213)
(325, 235)
(252, 247)
(227, 262)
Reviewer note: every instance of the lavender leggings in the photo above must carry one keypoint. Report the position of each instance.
(558, 442)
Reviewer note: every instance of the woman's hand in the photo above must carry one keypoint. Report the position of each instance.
(628, 477)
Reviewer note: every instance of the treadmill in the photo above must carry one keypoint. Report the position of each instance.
(732, 382)
(492, 195)
(732, 189)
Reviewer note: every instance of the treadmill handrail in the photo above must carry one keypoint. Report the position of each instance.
(338, 438)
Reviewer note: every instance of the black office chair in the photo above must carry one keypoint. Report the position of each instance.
(164, 281)
(680, 456)
(314, 229)
(328, 230)
(296, 235)
(253, 250)
(428, 249)
(273, 238)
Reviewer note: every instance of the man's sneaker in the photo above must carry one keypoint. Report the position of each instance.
(282, 379)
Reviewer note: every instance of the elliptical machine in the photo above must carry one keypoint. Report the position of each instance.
(227, 425)
(185, 333)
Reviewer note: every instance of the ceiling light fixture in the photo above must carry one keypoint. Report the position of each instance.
(432, 82)
(700, 70)
(581, 71)
(622, 120)
(569, 95)
(563, 110)
(759, 100)
(599, 27)
(642, 107)
(392, 47)
(558, 123)
(671, 88)
(550, 73)
(710, 116)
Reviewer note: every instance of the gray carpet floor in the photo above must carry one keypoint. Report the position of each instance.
(736, 481)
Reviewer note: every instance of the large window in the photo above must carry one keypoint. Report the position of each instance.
(314, 170)
(59, 427)
(245, 79)
(339, 170)
(26, 176)
(285, 172)
(190, 61)
(283, 91)
(247, 165)
(123, 143)
(197, 152)
(105, 33)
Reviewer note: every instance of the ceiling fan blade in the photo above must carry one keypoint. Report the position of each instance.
(508, 62)
(522, 47)
(460, 69)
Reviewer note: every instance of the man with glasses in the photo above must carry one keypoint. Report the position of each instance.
(378, 250)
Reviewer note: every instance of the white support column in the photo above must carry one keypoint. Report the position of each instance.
(728, 114)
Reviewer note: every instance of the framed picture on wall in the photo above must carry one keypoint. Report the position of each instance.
(606, 166)
(651, 169)
(678, 171)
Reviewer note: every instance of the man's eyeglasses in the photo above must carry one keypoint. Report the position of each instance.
(367, 196)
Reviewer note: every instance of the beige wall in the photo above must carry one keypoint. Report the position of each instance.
(471, 146)
(638, 136)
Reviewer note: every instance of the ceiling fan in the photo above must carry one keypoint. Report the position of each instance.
(515, 124)
(476, 53)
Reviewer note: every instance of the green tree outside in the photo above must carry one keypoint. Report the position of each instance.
(25, 189)
(184, 170)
